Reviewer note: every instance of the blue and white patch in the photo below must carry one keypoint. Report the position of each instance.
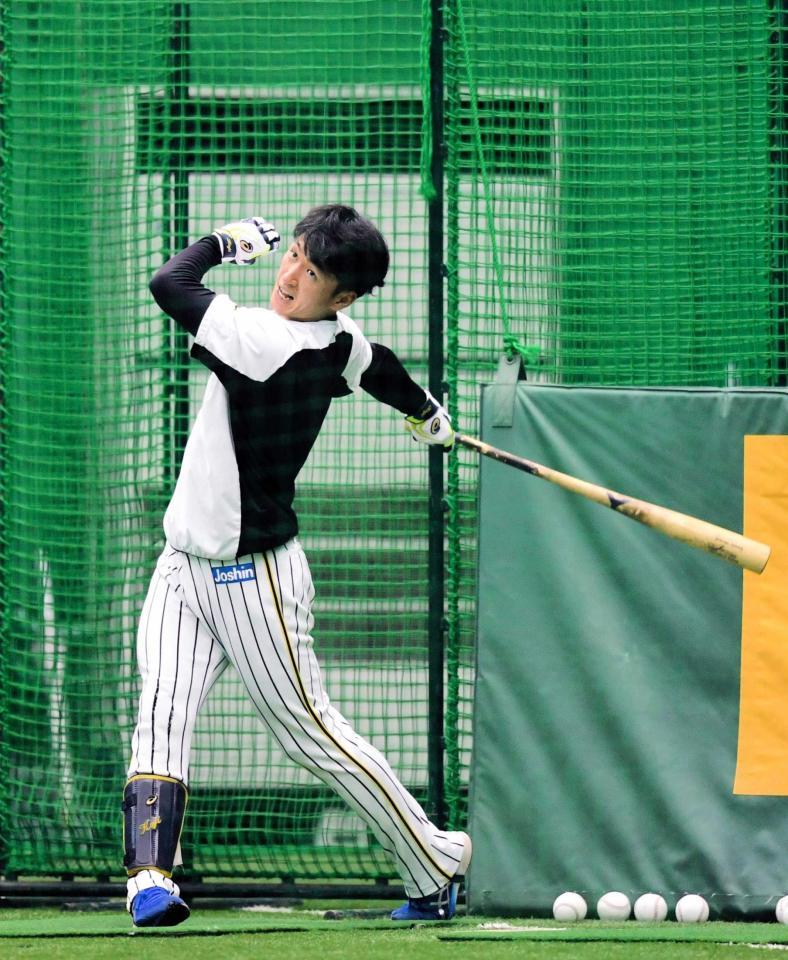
(234, 573)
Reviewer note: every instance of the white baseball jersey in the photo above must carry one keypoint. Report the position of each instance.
(236, 484)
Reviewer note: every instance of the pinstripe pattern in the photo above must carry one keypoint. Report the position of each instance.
(179, 661)
(191, 627)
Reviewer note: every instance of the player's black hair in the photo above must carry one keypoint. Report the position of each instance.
(342, 243)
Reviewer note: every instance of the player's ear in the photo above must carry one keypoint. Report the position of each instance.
(344, 299)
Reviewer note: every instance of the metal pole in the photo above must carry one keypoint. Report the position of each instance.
(436, 275)
(177, 202)
(6, 829)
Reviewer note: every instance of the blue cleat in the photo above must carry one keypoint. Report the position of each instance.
(155, 907)
(441, 905)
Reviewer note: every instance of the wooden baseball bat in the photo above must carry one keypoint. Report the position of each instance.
(727, 544)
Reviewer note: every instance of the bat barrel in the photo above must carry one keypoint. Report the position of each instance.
(726, 544)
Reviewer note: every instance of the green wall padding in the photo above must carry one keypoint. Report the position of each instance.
(607, 688)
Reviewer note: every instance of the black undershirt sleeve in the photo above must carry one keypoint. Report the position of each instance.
(177, 286)
(388, 381)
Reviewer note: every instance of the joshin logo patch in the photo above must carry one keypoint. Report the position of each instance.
(234, 573)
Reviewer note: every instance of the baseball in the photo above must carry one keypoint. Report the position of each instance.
(651, 906)
(569, 906)
(781, 910)
(613, 906)
(692, 909)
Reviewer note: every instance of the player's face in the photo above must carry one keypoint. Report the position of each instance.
(302, 292)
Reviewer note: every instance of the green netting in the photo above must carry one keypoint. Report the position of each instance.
(615, 215)
(132, 127)
(614, 207)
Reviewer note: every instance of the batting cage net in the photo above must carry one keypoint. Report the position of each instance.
(613, 205)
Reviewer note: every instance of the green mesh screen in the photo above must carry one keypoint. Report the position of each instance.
(131, 128)
(614, 211)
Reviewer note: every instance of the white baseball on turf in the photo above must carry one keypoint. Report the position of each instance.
(569, 906)
(650, 906)
(781, 910)
(613, 906)
(692, 908)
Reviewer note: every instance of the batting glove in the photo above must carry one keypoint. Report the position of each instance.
(243, 242)
(432, 424)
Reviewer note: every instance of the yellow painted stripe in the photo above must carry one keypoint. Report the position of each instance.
(762, 762)
(319, 722)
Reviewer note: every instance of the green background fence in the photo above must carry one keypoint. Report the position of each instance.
(612, 209)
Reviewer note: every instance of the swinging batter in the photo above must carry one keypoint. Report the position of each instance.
(232, 585)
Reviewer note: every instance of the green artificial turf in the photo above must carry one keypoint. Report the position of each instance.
(306, 934)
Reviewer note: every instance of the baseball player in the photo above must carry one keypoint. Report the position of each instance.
(232, 585)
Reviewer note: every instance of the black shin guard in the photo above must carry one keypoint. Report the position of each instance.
(153, 811)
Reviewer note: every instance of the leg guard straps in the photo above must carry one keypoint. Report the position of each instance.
(153, 811)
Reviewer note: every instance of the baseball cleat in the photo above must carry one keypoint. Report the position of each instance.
(441, 905)
(155, 907)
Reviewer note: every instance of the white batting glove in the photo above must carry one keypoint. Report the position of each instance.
(243, 242)
(432, 424)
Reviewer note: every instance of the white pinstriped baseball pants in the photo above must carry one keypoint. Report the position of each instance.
(255, 612)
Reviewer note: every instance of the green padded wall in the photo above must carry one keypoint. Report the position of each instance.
(607, 689)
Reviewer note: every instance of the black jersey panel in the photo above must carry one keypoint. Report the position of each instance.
(274, 425)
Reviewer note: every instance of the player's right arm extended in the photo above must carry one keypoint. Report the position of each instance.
(387, 380)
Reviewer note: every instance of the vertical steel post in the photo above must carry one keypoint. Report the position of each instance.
(177, 226)
(5, 827)
(436, 275)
